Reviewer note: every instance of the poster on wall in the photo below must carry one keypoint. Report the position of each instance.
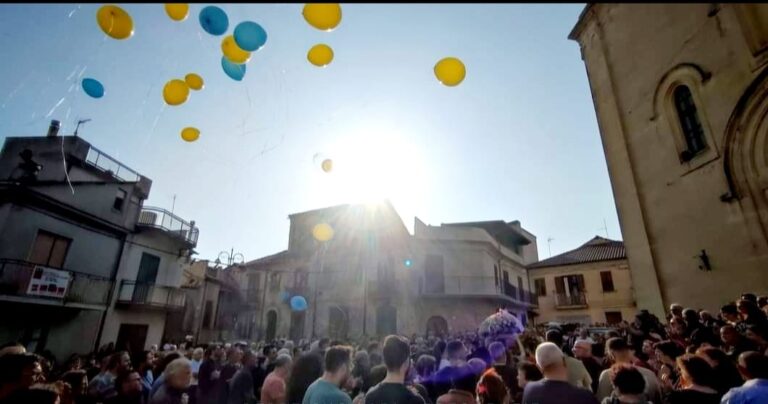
(48, 282)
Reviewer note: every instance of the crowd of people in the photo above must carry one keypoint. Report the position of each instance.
(691, 357)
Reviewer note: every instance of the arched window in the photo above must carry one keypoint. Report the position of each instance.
(689, 122)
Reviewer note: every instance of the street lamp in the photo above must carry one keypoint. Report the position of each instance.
(230, 257)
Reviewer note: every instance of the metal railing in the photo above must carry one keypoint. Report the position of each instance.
(107, 164)
(476, 285)
(576, 300)
(150, 295)
(16, 275)
(165, 220)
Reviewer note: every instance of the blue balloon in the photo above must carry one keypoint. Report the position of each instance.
(93, 88)
(298, 303)
(233, 70)
(214, 20)
(250, 36)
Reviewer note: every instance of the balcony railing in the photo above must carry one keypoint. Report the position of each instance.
(16, 279)
(572, 301)
(165, 220)
(107, 164)
(475, 285)
(150, 295)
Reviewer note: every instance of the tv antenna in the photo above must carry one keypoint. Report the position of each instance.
(605, 227)
(549, 245)
(80, 122)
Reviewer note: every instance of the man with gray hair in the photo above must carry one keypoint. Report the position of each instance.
(554, 387)
(274, 389)
(178, 377)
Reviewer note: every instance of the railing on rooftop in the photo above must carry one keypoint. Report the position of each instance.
(26, 279)
(165, 220)
(134, 293)
(107, 164)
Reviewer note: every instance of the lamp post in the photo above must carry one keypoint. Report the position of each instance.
(230, 257)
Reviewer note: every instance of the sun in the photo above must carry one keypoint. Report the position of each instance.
(377, 165)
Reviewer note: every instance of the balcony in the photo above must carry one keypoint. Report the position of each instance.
(150, 296)
(577, 301)
(24, 280)
(107, 164)
(164, 220)
(476, 286)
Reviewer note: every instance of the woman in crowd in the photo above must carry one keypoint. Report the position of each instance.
(143, 362)
(696, 382)
(757, 335)
(306, 369)
(78, 385)
(666, 354)
(491, 389)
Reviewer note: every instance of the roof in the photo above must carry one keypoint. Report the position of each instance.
(597, 249)
(576, 31)
(269, 259)
(506, 233)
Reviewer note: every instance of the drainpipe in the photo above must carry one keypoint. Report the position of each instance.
(111, 293)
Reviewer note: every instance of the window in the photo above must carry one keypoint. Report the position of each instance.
(274, 282)
(520, 285)
(253, 281)
(541, 287)
(607, 280)
(119, 200)
(613, 317)
(570, 285)
(208, 314)
(689, 122)
(49, 249)
(434, 274)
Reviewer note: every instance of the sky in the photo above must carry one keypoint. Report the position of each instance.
(516, 140)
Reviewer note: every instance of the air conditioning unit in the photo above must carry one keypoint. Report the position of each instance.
(147, 217)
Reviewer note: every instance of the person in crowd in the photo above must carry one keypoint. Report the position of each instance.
(361, 372)
(327, 389)
(439, 354)
(305, 370)
(477, 365)
(274, 390)
(456, 355)
(18, 372)
(667, 353)
(208, 378)
(143, 362)
(78, 384)
(264, 366)
(677, 332)
(730, 313)
(178, 378)
(507, 372)
(757, 335)
(621, 354)
(696, 382)
(582, 350)
(583, 336)
(130, 389)
(102, 387)
(555, 385)
(232, 365)
(491, 389)
(241, 386)
(709, 320)
(628, 385)
(396, 354)
(578, 375)
(39, 394)
(734, 343)
(463, 384)
(160, 371)
(751, 314)
(754, 367)
(197, 360)
(526, 372)
(320, 347)
(725, 373)
(675, 311)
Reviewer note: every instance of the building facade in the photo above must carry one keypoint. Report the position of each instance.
(679, 91)
(589, 285)
(73, 235)
(373, 278)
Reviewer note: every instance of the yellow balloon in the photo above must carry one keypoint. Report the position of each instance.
(320, 55)
(322, 232)
(177, 11)
(175, 92)
(450, 71)
(190, 134)
(115, 22)
(327, 165)
(194, 81)
(233, 52)
(323, 16)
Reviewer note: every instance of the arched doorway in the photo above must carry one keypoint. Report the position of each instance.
(338, 323)
(271, 325)
(746, 157)
(437, 326)
(386, 320)
(297, 325)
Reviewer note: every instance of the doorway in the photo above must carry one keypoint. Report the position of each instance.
(131, 337)
(146, 277)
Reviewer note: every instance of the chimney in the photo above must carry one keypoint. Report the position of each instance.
(53, 130)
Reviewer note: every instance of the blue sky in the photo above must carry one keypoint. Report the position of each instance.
(518, 139)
